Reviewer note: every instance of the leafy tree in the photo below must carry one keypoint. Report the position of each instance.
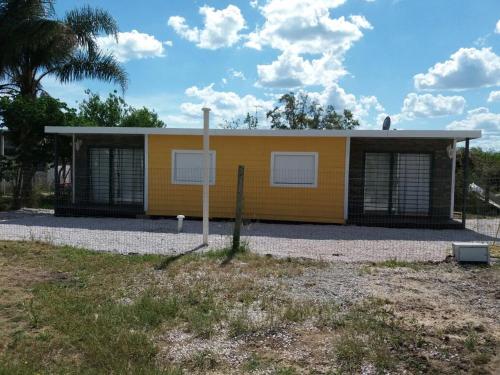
(300, 112)
(249, 122)
(484, 171)
(114, 111)
(26, 119)
(93, 111)
(143, 118)
(35, 44)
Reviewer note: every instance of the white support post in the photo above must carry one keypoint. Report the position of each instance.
(146, 174)
(346, 177)
(453, 168)
(73, 174)
(206, 173)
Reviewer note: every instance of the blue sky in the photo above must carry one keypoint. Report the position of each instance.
(430, 64)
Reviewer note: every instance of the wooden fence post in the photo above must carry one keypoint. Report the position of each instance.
(239, 209)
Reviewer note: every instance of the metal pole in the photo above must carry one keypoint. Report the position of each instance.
(465, 188)
(2, 152)
(239, 208)
(56, 171)
(206, 173)
(453, 171)
(73, 174)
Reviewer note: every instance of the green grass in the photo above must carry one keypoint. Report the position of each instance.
(67, 311)
(394, 263)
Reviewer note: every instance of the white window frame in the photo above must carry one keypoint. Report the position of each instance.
(294, 153)
(175, 182)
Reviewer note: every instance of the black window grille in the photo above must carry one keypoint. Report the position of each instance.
(116, 175)
(397, 183)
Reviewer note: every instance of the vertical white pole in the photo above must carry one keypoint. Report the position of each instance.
(346, 177)
(453, 168)
(73, 174)
(146, 173)
(206, 173)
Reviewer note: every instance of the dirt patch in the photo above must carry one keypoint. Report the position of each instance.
(455, 308)
(443, 294)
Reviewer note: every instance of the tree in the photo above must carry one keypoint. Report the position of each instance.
(300, 112)
(114, 111)
(143, 118)
(249, 122)
(34, 45)
(26, 119)
(484, 171)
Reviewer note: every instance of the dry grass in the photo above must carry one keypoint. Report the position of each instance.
(65, 310)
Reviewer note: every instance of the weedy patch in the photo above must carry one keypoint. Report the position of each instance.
(76, 311)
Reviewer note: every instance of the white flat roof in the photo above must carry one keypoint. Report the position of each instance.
(447, 134)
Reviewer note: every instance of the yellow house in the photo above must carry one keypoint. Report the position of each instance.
(317, 197)
(322, 176)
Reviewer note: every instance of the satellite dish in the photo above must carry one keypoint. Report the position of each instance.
(387, 123)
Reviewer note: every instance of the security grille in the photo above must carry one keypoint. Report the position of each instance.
(397, 183)
(116, 175)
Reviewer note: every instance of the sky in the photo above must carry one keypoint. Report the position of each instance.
(429, 64)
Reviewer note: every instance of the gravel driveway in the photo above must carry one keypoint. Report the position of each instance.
(323, 242)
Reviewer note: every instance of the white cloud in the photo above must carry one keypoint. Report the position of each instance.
(291, 70)
(220, 27)
(427, 106)
(254, 3)
(494, 97)
(312, 42)
(305, 26)
(497, 27)
(225, 105)
(132, 45)
(481, 119)
(237, 74)
(363, 107)
(467, 68)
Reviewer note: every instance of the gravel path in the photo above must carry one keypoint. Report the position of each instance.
(323, 242)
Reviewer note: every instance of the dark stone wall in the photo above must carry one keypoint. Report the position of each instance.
(441, 170)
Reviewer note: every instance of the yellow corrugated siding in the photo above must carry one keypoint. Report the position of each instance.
(325, 203)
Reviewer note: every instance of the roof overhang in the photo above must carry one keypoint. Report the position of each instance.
(458, 135)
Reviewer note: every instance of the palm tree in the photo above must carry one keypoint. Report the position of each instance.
(36, 44)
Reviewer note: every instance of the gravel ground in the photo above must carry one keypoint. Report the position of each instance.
(322, 242)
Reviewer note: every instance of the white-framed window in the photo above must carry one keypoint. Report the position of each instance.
(187, 167)
(294, 169)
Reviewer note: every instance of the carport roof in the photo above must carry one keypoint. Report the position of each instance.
(458, 135)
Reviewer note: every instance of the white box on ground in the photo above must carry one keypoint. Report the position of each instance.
(471, 252)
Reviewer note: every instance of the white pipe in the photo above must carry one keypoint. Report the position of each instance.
(180, 220)
(453, 168)
(206, 173)
(346, 177)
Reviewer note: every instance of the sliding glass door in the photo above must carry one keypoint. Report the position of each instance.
(412, 180)
(99, 176)
(397, 183)
(116, 175)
